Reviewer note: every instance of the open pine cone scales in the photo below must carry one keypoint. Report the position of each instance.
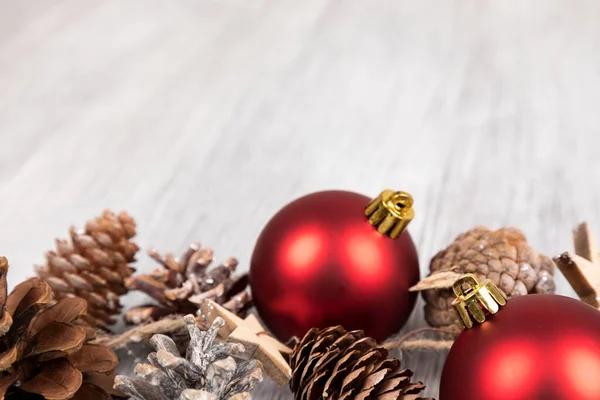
(94, 265)
(503, 256)
(181, 284)
(338, 365)
(209, 370)
(44, 349)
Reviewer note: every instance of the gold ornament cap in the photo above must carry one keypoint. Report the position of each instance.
(390, 212)
(477, 300)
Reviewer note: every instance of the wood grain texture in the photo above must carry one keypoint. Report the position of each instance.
(203, 117)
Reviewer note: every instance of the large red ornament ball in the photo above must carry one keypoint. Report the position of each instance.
(537, 347)
(318, 262)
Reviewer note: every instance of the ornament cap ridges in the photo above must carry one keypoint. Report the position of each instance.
(477, 301)
(391, 212)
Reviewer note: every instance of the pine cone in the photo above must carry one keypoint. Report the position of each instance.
(182, 284)
(208, 372)
(94, 265)
(45, 350)
(503, 256)
(338, 365)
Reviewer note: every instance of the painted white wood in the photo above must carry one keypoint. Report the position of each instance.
(203, 117)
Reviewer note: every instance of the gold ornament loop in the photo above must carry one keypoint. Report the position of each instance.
(477, 300)
(391, 212)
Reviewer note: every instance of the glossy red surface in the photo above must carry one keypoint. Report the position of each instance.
(538, 347)
(318, 262)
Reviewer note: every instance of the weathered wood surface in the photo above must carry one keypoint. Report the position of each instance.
(203, 117)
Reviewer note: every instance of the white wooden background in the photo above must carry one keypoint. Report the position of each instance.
(204, 117)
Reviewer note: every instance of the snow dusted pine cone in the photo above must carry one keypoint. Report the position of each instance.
(182, 284)
(208, 371)
(503, 256)
(45, 350)
(94, 265)
(338, 365)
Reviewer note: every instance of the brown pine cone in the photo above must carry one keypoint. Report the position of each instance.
(338, 365)
(94, 265)
(503, 256)
(181, 284)
(44, 346)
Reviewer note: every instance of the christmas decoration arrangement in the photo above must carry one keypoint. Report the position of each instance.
(333, 278)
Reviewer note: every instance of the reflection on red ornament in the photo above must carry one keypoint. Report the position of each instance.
(301, 252)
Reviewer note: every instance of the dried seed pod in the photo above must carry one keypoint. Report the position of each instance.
(503, 256)
(338, 365)
(93, 265)
(209, 370)
(182, 284)
(45, 349)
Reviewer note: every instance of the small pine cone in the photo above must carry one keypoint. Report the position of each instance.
(94, 265)
(338, 365)
(209, 370)
(503, 256)
(182, 284)
(45, 346)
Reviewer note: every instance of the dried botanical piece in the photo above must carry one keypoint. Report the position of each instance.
(181, 284)
(258, 343)
(93, 265)
(334, 364)
(209, 370)
(416, 340)
(143, 333)
(503, 256)
(582, 269)
(45, 347)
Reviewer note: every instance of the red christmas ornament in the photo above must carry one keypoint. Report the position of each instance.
(336, 258)
(536, 347)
